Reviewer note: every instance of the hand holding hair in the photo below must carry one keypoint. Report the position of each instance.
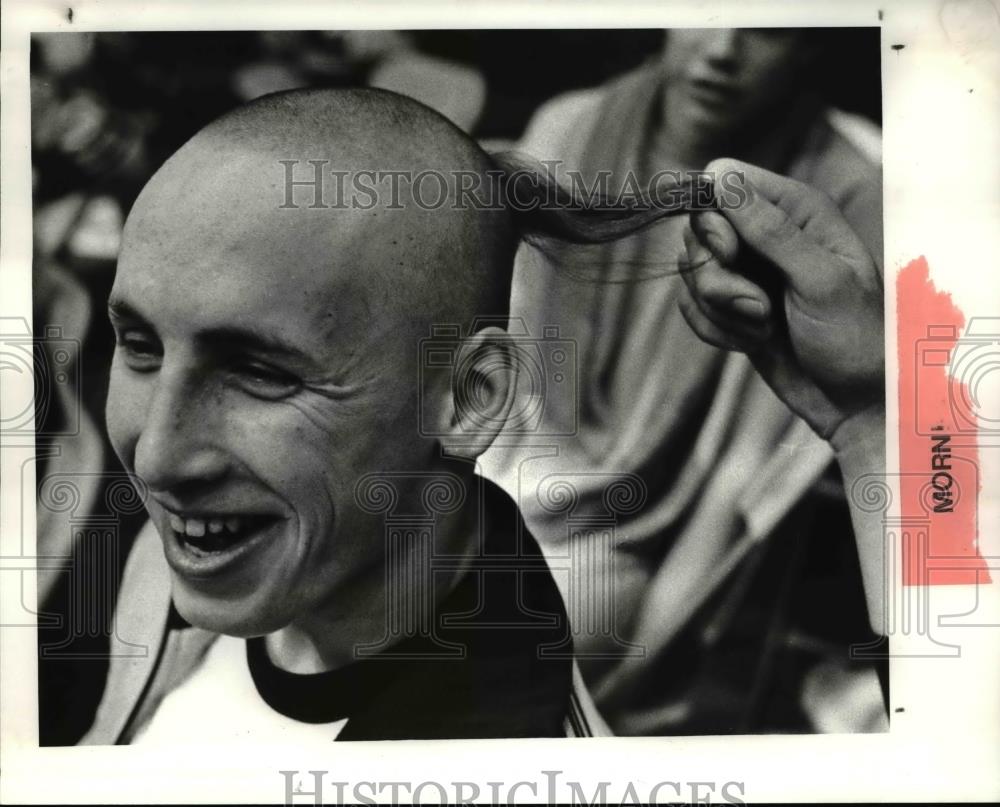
(784, 279)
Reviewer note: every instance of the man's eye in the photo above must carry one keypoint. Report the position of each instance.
(141, 350)
(265, 381)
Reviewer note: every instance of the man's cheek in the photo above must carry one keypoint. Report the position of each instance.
(123, 414)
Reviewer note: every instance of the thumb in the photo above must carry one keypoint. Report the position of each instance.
(786, 221)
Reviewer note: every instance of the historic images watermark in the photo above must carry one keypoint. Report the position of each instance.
(545, 366)
(320, 787)
(52, 361)
(970, 361)
(317, 184)
(415, 568)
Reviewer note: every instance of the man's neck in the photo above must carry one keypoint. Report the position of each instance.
(367, 616)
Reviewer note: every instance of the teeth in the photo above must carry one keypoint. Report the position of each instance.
(195, 527)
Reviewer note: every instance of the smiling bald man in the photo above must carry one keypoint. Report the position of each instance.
(267, 390)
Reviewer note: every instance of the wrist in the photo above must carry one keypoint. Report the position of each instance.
(860, 437)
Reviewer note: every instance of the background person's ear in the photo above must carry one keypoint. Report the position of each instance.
(483, 388)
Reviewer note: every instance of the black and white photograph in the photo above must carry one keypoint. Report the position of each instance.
(425, 448)
(460, 384)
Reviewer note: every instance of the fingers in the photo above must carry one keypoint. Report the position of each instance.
(720, 291)
(707, 330)
(796, 227)
(722, 307)
(800, 203)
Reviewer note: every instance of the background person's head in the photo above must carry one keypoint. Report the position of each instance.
(718, 81)
(267, 358)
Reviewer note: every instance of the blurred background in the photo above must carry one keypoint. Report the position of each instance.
(109, 108)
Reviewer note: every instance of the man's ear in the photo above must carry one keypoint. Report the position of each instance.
(483, 387)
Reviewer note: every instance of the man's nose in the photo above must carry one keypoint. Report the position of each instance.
(178, 443)
(722, 47)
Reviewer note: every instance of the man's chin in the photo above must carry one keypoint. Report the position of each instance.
(235, 617)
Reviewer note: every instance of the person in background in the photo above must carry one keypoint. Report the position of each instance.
(728, 599)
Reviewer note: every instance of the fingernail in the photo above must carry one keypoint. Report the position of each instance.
(716, 243)
(749, 307)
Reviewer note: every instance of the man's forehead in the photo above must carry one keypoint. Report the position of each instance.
(193, 272)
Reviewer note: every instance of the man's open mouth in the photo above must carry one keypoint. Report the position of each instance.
(213, 534)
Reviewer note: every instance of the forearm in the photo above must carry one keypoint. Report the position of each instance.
(859, 444)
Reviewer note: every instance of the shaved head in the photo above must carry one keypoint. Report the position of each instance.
(447, 264)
